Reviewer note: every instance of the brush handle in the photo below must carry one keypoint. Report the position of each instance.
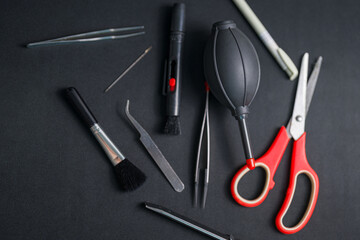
(172, 81)
(80, 106)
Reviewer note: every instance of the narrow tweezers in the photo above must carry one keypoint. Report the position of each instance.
(205, 131)
(90, 36)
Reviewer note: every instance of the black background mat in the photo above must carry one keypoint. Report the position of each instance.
(55, 180)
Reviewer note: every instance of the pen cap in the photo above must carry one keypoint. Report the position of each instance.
(178, 18)
(231, 67)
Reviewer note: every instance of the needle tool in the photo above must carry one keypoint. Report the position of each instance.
(204, 127)
(128, 69)
(94, 36)
(280, 56)
(128, 175)
(172, 71)
(232, 70)
(188, 222)
(299, 163)
(155, 153)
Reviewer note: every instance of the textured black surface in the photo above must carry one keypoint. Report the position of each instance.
(56, 182)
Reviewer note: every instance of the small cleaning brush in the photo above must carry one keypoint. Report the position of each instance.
(128, 175)
(172, 80)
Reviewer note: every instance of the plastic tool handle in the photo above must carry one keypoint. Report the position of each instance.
(269, 162)
(80, 106)
(178, 18)
(299, 165)
(172, 81)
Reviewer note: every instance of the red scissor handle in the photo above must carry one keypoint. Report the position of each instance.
(269, 162)
(299, 165)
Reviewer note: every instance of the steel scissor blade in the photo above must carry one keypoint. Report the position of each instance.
(312, 83)
(297, 126)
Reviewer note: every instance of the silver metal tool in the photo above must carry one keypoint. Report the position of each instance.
(128, 69)
(188, 222)
(280, 56)
(311, 84)
(90, 37)
(155, 153)
(205, 125)
(108, 146)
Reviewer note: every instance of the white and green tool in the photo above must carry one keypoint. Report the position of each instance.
(281, 57)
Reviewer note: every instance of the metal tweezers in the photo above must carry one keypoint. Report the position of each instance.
(90, 36)
(198, 167)
(155, 153)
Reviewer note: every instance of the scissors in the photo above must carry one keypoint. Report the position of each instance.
(299, 164)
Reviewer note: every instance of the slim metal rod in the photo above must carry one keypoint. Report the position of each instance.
(128, 69)
(245, 136)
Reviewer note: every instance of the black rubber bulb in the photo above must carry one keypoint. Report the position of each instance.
(232, 71)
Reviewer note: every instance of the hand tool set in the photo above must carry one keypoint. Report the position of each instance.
(232, 73)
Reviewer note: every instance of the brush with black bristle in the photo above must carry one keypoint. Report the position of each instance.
(128, 175)
(172, 81)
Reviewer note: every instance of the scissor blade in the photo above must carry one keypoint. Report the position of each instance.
(312, 83)
(297, 126)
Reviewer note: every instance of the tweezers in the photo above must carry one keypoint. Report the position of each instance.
(189, 222)
(155, 153)
(198, 170)
(90, 36)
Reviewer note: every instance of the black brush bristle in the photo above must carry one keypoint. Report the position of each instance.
(172, 125)
(129, 176)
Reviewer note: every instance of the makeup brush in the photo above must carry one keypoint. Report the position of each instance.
(172, 80)
(128, 175)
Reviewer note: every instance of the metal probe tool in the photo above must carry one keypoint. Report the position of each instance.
(128, 69)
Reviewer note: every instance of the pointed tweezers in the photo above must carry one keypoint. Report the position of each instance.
(205, 123)
(155, 153)
(90, 36)
(188, 222)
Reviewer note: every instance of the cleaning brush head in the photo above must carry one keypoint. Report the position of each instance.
(172, 125)
(129, 176)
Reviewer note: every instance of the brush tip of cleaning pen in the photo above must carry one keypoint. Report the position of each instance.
(172, 125)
